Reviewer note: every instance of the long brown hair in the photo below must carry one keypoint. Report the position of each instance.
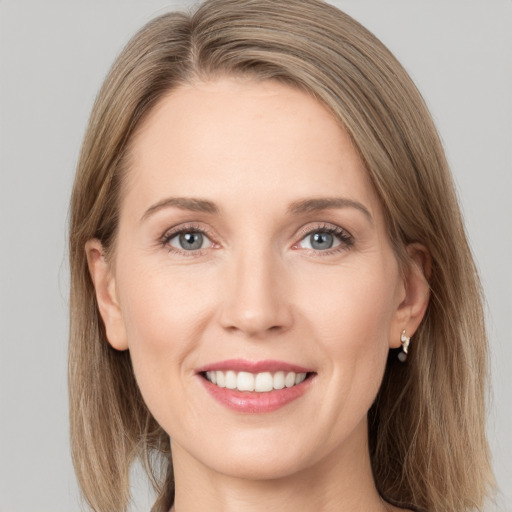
(427, 426)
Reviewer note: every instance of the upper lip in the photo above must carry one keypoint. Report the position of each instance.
(243, 365)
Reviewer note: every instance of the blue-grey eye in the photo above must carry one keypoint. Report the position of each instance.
(188, 240)
(320, 241)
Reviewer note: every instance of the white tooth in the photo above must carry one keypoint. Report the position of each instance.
(263, 382)
(299, 378)
(289, 380)
(279, 380)
(209, 376)
(230, 379)
(221, 379)
(245, 381)
(213, 376)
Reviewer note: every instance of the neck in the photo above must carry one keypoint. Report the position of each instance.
(342, 481)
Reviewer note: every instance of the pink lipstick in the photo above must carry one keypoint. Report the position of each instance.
(255, 386)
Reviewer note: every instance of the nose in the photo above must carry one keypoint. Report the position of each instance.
(256, 302)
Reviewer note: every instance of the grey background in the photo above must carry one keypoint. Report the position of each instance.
(53, 57)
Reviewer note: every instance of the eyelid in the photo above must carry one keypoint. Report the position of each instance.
(171, 233)
(322, 226)
(345, 238)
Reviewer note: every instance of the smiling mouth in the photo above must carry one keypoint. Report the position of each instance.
(263, 382)
(255, 387)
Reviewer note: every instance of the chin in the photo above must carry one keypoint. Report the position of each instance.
(258, 467)
(255, 454)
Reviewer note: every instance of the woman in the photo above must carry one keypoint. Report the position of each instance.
(270, 276)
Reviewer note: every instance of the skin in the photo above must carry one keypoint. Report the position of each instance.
(256, 290)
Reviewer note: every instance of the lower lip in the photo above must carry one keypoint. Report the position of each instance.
(252, 402)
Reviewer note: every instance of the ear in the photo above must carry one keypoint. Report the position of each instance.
(106, 294)
(416, 294)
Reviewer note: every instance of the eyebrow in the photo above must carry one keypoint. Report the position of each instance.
(183, 203)
(327, 203)
(296, 208)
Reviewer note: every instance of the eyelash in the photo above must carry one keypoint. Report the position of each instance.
(345, 238)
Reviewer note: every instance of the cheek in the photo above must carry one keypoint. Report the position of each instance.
(355, 305)
(164, 316)
(163, 307)
(350, 319)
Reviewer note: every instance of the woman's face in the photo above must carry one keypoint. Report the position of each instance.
(252, 250)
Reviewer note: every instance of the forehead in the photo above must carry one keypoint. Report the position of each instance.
(238, 138)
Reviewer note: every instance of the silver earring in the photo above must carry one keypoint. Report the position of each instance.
(404, 340)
